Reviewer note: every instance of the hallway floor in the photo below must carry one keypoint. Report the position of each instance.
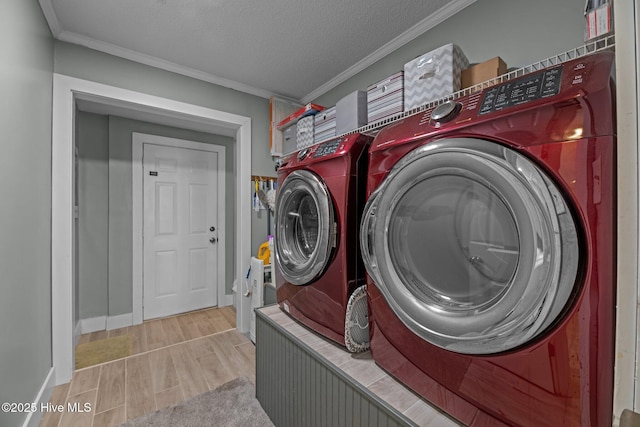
(175, 358)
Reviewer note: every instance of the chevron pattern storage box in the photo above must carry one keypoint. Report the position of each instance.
(304, 132)
(433, 75)
(385, 97)
(324, 124)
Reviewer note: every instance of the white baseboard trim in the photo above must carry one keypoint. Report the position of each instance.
(102, 323)
(119, 321)
(227, 301)
(77, 331)
(33, 418)
(93, 324)
(105, 323)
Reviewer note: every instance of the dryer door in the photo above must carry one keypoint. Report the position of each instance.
(305, 227)
(472, 246)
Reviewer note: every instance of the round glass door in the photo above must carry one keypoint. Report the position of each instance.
(304, 227)
(471, 245)
(471, 252)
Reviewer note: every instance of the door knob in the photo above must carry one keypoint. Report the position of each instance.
(213, 240)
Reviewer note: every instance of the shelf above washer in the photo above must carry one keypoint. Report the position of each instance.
(606, 43)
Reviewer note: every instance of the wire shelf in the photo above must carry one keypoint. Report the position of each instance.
(606, 43)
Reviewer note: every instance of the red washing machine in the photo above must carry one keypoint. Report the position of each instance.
(489, 240)
(321, 195)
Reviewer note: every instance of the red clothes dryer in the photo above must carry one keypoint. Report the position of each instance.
(489, 241)
(321, 195)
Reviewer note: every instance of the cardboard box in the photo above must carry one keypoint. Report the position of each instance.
(386, 97)
(351, 112)
(482, 72)
(432, 76)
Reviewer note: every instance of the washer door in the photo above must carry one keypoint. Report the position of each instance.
(472, 246)
(305, 227)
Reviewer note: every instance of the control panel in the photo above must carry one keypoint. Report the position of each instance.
(535, 86)
(327, 148)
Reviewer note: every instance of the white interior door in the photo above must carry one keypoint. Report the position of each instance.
(180, 230)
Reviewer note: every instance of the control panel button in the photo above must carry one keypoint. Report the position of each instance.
(303, 153)
(445, 112)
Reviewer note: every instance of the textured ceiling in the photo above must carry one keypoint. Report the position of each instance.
(291, 48)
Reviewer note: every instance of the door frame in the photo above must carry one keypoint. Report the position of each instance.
(67, 92)
(137, 150)
(626, 388)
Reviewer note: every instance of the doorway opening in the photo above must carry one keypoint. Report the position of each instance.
(67, 93)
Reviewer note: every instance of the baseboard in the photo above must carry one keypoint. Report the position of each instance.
(119, 321)
(77, 331)
(105, 323)
(93, 324)
(102, 323)
(227, 301)
(33, 418)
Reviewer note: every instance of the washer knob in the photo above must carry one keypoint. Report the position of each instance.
(445, 112)
(303, 153)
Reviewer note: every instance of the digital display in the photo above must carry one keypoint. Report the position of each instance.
(327, 148)
(540, 85)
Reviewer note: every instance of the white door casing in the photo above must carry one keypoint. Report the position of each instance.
(126, 103)
(181, 227)
(626, 389)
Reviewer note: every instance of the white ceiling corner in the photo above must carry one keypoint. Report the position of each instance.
(292, 49)
(50, 16)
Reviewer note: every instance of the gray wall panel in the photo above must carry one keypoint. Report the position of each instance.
(25, 216)
(92, 140)
(297, 387)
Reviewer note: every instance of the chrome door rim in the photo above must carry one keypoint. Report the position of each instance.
(300, 266)
(523, 311)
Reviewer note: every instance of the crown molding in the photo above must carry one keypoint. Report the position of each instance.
(420, 28)
(70, 37)
(74, 38)
(153, 61)
(51, 17)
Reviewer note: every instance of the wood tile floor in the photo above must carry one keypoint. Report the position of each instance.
(175, 358)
